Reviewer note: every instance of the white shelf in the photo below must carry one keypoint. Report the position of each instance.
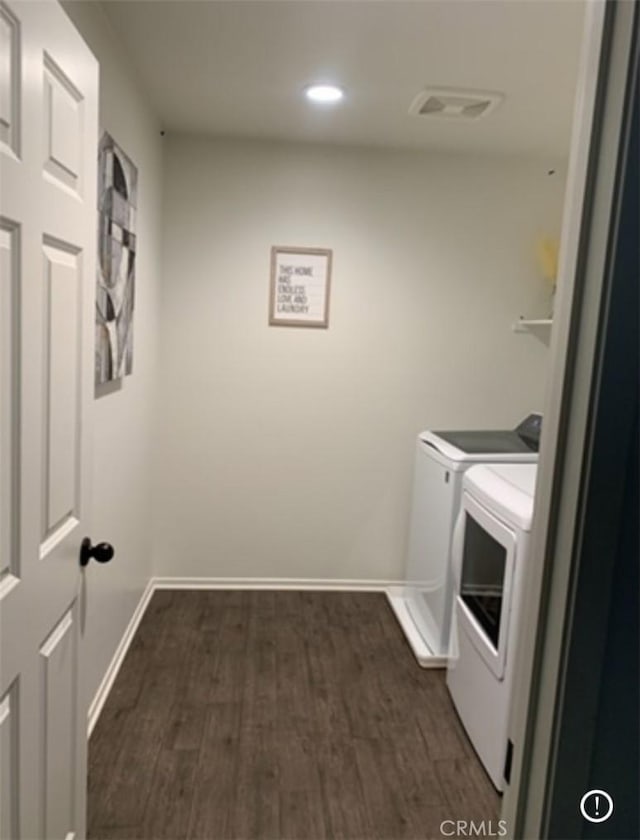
(529, 324)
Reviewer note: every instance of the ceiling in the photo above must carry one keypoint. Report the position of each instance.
(238, 68)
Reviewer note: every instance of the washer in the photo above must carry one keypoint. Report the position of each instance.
(490, 549)
(423, 605)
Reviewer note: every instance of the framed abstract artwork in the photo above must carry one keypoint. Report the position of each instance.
(115, 295)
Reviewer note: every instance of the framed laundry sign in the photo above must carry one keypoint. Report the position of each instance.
(300, 287)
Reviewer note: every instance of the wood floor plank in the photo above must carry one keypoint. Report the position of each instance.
(124, 798)
(295, 706)
(225, 722)
(301, 815)
(467, 789)
(259, 697)
(442, 732)
(200, 665)
(214, 790)
(298, 768)
(256, 803)
(389, 812)
(107, 743)
(278, 716)
(185, 727)
(346, 813)
(169, 805)
(124, 832)
(128, 684)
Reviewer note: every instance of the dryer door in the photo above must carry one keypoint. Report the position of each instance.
(484, 579)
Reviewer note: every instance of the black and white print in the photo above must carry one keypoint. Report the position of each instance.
(117, 203)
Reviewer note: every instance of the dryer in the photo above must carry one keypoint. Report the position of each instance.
(490, 553)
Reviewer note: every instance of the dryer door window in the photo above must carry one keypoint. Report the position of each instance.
(484, 563)
(484, 571)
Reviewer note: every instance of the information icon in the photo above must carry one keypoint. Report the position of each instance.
(596, 806)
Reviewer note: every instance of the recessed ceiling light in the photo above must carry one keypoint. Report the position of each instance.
(324, 94)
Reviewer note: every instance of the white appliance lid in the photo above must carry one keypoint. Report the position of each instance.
(457, 455)
(506, 489)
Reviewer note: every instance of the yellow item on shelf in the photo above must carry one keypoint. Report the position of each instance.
(547, 253)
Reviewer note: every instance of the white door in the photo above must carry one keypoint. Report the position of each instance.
(48, 148)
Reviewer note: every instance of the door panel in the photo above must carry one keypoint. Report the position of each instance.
(8, 757)
(58, 700)
(62, 125)
(62, 280)
(48, 151)
(9, 78)
(9, 284)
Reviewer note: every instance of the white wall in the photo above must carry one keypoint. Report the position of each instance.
(122, 451)
(288, 452)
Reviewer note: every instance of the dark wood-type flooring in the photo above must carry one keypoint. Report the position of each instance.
(302, 715)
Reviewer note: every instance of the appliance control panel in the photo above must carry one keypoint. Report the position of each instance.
(530, 429)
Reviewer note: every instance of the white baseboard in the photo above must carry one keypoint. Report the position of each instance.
(320, 584)
(114, 666)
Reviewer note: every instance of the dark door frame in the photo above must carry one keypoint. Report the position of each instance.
(581, 730)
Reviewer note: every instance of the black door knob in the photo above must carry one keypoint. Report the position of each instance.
(102, 552)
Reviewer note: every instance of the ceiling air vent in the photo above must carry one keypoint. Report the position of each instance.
(443, 103)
